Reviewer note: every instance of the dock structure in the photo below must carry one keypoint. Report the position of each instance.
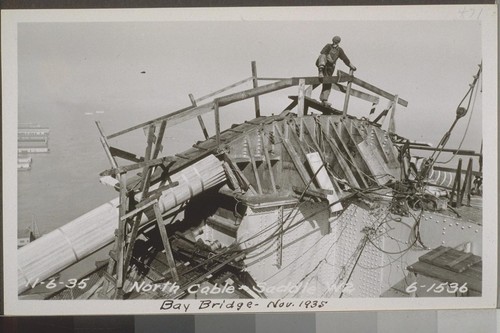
(31, 139)
(253, 197)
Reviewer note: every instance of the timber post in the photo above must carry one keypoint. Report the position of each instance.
(255, 85)
(347, 94)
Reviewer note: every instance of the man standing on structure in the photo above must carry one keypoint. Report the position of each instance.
(326, 65)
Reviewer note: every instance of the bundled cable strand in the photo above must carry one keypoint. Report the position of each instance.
(77, 239)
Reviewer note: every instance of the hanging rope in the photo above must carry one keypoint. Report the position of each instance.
(461, 112)
(468, 122)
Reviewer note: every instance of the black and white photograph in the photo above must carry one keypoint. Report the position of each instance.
(249, 159)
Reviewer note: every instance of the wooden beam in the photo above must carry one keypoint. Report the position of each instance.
(392, 122)
(268, 161)
(321, 154)
(301, 94)
(254, 165)
(356, 93)
(146, 170)
(166, 242)
(224, 89)
(255, 85)
(172, 119)
(131, 241)
(445, 169)
(156, 193)
(344, 165)
(200, 119)
(217, 123)
(295, 159)
(148, 163)
(466, 189)
(125, 155)
(320, 193)
(456, 184)
(315, 104)
(347, 154)
(347, 95)
(225, 100)
(105, 145)
(309, 80)
(247, 185)
(291, 105)
(189, 112)
(120, 233)
(371, 88)
(231, 176)
(455, 151)
(159, 139)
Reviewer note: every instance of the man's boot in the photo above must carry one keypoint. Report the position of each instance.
(321, 72)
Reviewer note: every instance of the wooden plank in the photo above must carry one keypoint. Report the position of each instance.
(445, 169)
(91, 291)
(146, 171)
(371, 88)
(231, 176)
(281, 223)
(247, 185)
(156, 193)
(172, 119)
(254, 164)
(301, 95)
(309, 80)
(159, 139)
(166, 243)
(323, 179)
(311, 102)
(148, 163)
(120, 234)
(125, 155)
(105, 145)
(347, 155)
(446, 150)
(200, 119)
(291, 105)
(137, 210)
(345, 167)
(468, 277)
(315, 144)
(360, 161)
(217, 123)
(296, 159)
(466, 190)
(379, 173)
(255, 85)
(456, 184)
(229, 99)
(392, 123)
(356, 93)
(320, 193)
(131, 239)
(224, 89)
(190, 112)
(347, 95)
(268, 161)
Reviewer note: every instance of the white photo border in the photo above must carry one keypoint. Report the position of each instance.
(10, 20)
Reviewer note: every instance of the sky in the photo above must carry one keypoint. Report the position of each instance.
(88, 67)
(71, 74)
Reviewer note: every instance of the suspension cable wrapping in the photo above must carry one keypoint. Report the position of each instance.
(82, 236)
